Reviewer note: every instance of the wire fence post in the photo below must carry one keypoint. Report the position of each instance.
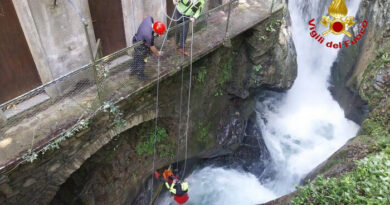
(94, 67)
(3, 119)
(272, 8)
(227, 41)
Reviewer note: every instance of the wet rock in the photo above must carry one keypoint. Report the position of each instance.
(6, 190)
(29, 182)
(382, 80)
(272, 52)
(237, 91)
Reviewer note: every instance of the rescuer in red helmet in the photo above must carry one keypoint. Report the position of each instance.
(178, 188)
(145, 34)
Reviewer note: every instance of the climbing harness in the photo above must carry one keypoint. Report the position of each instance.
(194, 6)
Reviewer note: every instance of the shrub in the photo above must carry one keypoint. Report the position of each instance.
(146, 146)
(368, 184)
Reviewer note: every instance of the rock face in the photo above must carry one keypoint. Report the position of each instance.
(362, 72)
(271, 54)
(221, 104)
(360, 83)
(348, 70)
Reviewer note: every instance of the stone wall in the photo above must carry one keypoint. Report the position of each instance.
(220, 107)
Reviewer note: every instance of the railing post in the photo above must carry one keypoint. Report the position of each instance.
(227, 41)
(3, 119)
(93, 63)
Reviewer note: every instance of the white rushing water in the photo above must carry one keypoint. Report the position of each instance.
(307, 125)
(218, 186)
(301, 129)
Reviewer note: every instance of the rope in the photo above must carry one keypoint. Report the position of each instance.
(155, 128)
(166, 15)
(133, 23)
(156, 119)
(34, 134)
(180, 111)
(78, 12)
(189, 102)
(181, 99)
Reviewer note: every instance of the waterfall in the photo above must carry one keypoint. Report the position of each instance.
(300, 128)
(307, 126)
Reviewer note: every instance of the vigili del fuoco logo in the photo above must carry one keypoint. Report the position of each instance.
(337, 23)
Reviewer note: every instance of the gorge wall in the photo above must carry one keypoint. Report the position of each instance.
(363, 73)
(360, 83)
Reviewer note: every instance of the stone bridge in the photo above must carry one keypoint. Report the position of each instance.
(38, 182)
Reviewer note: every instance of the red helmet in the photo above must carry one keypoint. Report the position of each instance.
(159, 28)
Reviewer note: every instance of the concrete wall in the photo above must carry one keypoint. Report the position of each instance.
(134, 11)
(57, 40)
(61, 28)
(34, 40)
(55, 35)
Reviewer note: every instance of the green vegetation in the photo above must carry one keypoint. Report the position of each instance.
(377, 125)
(115, 114)
(163, 147)
(134, 176)
(224, 76)
(204, 129)
(368, 184)
(30, 155)
(201, 74)
(261, 37)
(273, 25)
(369, 92)
(241, 7)
(257, 68)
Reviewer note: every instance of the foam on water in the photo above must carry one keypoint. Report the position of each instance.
(216, 186)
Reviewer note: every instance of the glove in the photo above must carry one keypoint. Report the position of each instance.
(157, 175)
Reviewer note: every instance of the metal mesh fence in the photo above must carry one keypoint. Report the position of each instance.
(36, 122)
